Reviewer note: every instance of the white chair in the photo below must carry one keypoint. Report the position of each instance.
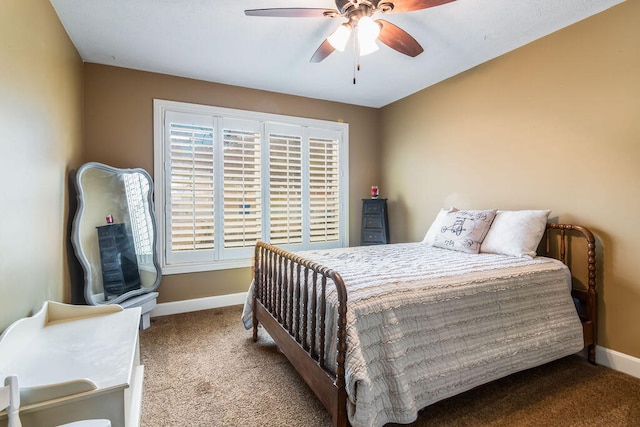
(10, 400)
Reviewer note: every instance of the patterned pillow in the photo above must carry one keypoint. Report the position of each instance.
(436, 225)
(516, 233)
(464, 231)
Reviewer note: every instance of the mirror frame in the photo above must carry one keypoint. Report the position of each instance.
(89, 294)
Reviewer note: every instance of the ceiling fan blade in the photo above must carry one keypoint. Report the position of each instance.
(293, 12)
(398, 39)
(322, 52)
(400, 6)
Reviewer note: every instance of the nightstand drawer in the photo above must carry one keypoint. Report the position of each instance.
(372, 207)
(372, 221)
(369, 236)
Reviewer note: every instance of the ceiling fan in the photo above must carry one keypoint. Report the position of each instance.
(359, 19)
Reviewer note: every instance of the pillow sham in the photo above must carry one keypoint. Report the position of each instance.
(463, 231)
(516, 233)
(436, 225)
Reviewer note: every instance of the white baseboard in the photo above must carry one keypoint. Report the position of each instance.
(619, 361)
(186, 306)
(610, 358)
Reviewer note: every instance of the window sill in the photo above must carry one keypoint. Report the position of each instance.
(200, 267)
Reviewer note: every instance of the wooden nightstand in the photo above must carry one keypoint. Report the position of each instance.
(375, 222)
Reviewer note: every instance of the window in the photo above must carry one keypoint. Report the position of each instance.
(225, 179)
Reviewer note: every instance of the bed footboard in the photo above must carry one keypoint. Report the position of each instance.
(557, 244)
(289, 300)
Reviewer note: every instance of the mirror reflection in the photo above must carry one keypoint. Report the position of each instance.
(114, 233)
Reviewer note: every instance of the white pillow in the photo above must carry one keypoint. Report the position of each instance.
(516, 233)
(464, 231)
(436, 225)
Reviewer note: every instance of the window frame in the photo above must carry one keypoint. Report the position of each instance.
(219, 114)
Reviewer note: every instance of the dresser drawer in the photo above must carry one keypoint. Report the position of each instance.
(372, 236)
(372, 207)
(111, 277)
(109, 266)
(372, 222)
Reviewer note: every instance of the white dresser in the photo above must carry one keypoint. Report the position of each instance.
(75, 362)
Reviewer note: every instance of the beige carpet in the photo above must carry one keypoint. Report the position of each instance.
(203, 369)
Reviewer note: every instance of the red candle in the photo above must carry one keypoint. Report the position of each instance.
(374, 191)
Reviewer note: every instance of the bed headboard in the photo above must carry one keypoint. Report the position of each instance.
(573, 244)
(558, 244)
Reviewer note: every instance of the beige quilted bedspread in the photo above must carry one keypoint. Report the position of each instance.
(424, 323)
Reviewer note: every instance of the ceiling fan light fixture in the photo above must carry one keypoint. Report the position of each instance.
(339, 38)
(368, 30)
(368, 47)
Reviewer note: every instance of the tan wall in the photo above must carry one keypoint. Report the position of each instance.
(41, 121)
(552, 125)
(119, 132)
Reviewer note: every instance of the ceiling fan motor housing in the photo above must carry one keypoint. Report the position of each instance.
(367, 6)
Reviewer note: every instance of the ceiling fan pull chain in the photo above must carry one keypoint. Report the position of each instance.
(356, 59)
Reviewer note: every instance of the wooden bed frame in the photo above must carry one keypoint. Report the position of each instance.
(280, 278)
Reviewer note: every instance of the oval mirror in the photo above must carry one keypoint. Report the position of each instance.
(114, 233)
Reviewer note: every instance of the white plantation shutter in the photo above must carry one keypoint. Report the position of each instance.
(285, 185)
(227, 178)
(242, 183)
(191, 181)
(324, 188)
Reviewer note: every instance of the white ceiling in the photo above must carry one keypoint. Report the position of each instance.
(214, 40)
